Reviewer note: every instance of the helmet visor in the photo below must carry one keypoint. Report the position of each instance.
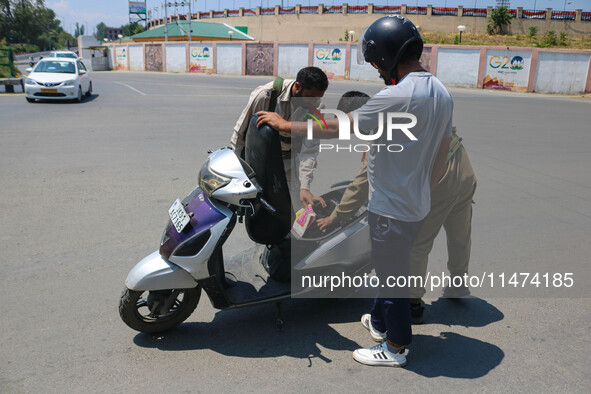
(361, 48)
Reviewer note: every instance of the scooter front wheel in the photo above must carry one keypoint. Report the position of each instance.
(156, 311)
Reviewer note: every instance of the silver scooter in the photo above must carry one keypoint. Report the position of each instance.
(164, 288)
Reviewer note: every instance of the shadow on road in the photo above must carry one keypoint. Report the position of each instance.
(92, 97)
(251, 333)
(452, 355)
(466, 312)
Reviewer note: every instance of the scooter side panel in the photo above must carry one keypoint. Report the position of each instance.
(197, 265)
(346, 248)
(204, 214)
(155, 273)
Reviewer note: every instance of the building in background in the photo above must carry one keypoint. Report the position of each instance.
(113, 33)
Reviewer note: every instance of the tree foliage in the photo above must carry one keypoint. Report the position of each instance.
(132, 28)
(499, 20)
(101, 31)
(79, 31)
(29, 22)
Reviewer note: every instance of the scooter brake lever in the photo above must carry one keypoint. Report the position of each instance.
(251, 207)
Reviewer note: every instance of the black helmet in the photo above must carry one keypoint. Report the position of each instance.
(387, 39)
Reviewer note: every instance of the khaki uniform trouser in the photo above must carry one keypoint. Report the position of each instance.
(293, 185)
(451, 208)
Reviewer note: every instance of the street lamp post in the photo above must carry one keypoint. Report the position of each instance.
(351, 34)
(461, 28)
(230, 33)
(120, 36)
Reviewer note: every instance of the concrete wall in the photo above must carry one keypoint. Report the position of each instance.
(520, 69)
(121, 59)
(458, 67)
(331, 59)
(560, 72)
(229, 59)
(315, 27)
(176, 58)
(136, 58)
(201, 58)
(291, 58)
(85, 54)
(508, 70)
(364, 72)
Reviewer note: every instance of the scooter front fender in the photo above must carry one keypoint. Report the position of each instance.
(156, 273)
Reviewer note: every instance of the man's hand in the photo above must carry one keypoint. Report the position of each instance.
(324, 222)
(307, 198)
(274, 120)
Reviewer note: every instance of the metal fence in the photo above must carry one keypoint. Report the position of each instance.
(444, 11)
(480, 12)
(291, 10)
(416, 10)
(335, 9)
(530, 14)
(387, 9)
(564, 15)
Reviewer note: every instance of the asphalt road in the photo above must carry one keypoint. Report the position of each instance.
(84, 194)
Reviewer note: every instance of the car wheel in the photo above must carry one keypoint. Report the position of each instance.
(30, 100)
(89, 90)
(79, 98)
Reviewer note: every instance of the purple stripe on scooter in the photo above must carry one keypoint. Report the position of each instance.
(205, 215)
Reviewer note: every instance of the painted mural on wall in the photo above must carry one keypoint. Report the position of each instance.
(507, 70)
(201, 59)
(153, 57)
(331, 59)
(121, 58)
(259, 59)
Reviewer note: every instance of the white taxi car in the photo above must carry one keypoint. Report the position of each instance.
(67, 54)
(58, 79)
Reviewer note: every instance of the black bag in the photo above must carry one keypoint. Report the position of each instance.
(263, 154)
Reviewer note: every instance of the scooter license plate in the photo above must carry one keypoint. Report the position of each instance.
(178, 216)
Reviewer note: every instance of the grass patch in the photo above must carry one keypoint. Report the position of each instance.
(513, 40)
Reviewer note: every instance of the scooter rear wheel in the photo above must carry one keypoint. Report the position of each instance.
(157, 311)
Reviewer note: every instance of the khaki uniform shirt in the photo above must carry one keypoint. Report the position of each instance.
(259, 100)
(458, 175)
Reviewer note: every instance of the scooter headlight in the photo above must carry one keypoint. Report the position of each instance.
(210, 181)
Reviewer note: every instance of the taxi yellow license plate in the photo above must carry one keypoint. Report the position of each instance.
(48, 90)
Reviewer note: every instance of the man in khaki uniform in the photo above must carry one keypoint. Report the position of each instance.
(309, 86)
(451, 208)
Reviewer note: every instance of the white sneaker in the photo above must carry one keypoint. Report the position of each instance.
(380, 355)
(375, 334)
(456, 292)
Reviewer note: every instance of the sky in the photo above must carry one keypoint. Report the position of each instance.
(115, 12)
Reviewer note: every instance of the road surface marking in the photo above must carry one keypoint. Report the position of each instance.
(131, 87)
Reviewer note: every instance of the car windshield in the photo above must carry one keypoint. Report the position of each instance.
(55, 66)
(68, 55)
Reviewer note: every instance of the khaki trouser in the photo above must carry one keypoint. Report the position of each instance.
(293, 185)
(451, 208)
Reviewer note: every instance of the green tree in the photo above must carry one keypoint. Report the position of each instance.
(101, 31)
(30, 23)
(563, 38)
(131, 29)
(499, 20)
(533, 31)
(138, 29)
